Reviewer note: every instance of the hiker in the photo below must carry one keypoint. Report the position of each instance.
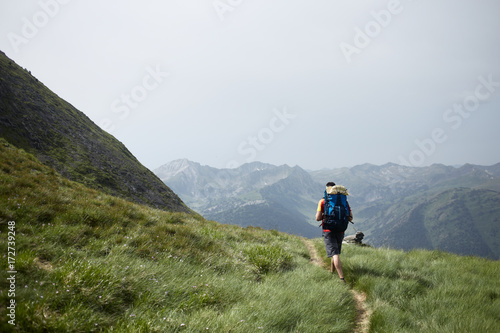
(333, 238)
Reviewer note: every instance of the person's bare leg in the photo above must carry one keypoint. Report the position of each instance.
(337, 265)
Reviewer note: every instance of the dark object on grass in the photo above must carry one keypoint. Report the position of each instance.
(355, 239)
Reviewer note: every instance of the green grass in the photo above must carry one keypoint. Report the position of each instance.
(424, 291)
(90, 262)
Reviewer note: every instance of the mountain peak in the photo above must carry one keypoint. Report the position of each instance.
(182, 163)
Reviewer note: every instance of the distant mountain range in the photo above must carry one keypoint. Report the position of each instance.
(256, 194)
(35, 119)
(456, 209)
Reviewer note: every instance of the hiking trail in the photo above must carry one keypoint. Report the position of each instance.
(363, 313)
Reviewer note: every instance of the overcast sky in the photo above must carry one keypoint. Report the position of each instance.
(314, 83)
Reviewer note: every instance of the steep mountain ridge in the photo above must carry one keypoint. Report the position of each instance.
(195, 181)
(35, 119)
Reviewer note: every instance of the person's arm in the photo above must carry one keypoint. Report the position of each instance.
(350, 213)
(319, 211)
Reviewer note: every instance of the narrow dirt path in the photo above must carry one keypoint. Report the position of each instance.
(363, 313)
(315, 258)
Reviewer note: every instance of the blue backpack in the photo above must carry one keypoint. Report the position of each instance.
(337, 212)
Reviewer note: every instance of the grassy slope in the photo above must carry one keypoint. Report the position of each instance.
(465, 221)
(87, 261)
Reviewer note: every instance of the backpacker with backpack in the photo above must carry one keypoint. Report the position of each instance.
(336, 214)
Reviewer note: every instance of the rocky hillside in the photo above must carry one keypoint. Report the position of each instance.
(35, 119)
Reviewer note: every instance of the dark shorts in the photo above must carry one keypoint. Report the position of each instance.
(333, 242)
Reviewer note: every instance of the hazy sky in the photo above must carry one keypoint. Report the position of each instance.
(314, 83)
